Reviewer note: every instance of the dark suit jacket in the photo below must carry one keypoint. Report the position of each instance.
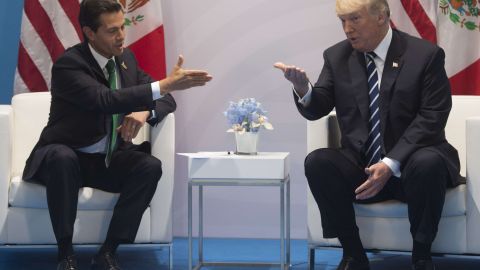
(415, 100)
(82, 102)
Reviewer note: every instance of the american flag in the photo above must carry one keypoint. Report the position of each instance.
(452, 24)
(51, 26)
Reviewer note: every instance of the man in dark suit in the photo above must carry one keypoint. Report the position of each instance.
(100, 100)
(392, 99)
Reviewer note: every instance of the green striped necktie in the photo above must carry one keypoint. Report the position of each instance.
(112, 81)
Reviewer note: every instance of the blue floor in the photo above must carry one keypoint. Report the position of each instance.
(243, 250)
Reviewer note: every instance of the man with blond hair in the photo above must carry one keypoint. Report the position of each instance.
(392, 99)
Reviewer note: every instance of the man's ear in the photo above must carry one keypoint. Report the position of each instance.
(88, 32)
(381, 19)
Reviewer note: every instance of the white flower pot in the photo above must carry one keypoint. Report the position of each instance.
(246, 143)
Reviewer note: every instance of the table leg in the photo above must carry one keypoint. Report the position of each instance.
(200, 224)
(288, 221)
(190, 249)
(282, 225)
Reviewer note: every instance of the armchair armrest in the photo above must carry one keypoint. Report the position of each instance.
(323, 133)
(6, 142)
(162, 138)
(473, 184)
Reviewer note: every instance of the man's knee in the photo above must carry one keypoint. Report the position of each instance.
(316, 161)
(61, 156)
(154, 167)
(425, 167)
(425, 161)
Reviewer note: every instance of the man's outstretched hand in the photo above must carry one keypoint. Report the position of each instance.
(181, 79)
(296, 76)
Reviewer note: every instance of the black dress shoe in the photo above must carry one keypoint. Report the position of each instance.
(69, 263)
(105, 261)
(349, 263)
(423, 265)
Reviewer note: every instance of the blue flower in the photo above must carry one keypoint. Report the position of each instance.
(246, 115)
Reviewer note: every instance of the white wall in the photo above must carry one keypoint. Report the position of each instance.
(238, 41)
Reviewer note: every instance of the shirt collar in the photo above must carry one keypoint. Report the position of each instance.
(382, 48)
(101, 60)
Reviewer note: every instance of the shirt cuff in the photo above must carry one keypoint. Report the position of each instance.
(153, 115)
(156, 90)
(306, 98)
(394, 165)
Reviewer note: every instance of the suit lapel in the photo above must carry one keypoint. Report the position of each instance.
(122, 67)
(94, 64)
(359, 83)
(391, 69)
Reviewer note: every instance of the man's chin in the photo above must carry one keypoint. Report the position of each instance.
(118, 51)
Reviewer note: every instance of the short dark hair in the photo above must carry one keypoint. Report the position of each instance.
(90, 11)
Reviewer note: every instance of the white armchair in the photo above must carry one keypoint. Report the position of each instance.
(24, 217)
(385, 225)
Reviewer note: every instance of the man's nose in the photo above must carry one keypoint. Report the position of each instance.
(347, 27)
(121, 34)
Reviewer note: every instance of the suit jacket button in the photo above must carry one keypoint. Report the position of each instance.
(359, 143)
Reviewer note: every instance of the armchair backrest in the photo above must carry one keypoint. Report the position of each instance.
(463, 107)
(30, 115)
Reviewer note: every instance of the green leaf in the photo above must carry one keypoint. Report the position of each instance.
(470, 25)
(139, 18)
(127, 22)
(454, 17)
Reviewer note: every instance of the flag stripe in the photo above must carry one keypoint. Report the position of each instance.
(72, 9)
(29, 72)
(420, 19)
(36, 49)
(51, 26)
(152, 62)
(44, 27)
(467, 81)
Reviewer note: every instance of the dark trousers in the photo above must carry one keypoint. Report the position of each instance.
(133, 174)
(333, 178)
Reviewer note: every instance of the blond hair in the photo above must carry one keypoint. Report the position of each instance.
(374, 7)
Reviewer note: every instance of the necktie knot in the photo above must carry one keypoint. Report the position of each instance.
(110, 66)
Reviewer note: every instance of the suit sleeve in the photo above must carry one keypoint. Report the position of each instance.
(322, 99)
(427, 128)
(75, 81)
(162, 106)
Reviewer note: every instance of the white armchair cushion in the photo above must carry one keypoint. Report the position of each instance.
(31, 195)
(454, 206)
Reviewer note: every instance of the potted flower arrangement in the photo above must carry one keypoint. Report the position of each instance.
(245, 118)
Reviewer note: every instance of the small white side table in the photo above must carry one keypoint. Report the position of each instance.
(223, 169)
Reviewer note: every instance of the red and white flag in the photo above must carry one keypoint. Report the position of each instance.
(51, 26)
(452, 24)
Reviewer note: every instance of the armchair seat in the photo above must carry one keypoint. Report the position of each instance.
(454, 206)
(31, 195)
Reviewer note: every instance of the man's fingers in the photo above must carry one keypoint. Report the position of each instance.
(193, 72)
(280, 66)
(180, 61)
(363, 186)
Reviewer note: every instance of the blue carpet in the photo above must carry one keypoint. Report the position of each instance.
(148, 257)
